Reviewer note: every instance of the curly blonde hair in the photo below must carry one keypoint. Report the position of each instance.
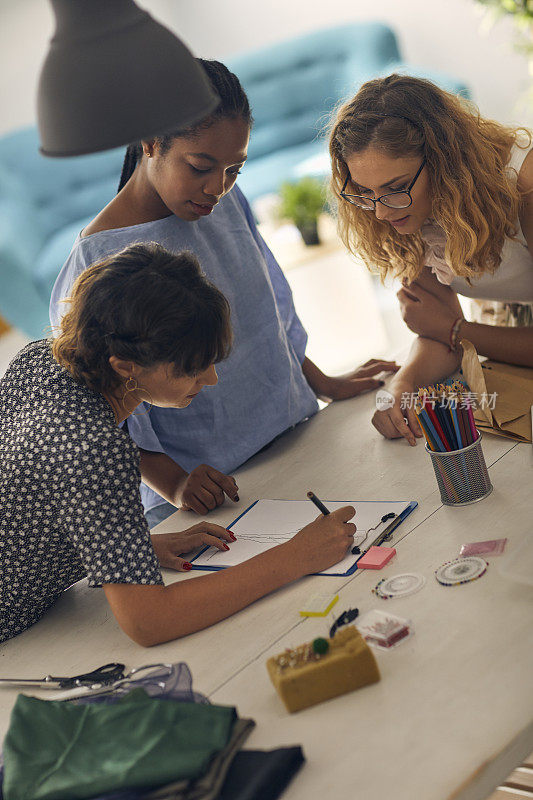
(474, 198)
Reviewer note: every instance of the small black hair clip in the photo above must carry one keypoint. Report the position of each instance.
(345, 618)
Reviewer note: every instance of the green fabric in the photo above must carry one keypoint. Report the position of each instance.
(59, 751)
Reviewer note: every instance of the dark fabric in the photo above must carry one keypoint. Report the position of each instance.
(208, 786)
(253, 775)
(261, 774)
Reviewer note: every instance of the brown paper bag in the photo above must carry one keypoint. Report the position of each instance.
(511, 416)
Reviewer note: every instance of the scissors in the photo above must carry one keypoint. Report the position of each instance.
(102, 676)
(155, 677)
(106, 675)
(107, 679)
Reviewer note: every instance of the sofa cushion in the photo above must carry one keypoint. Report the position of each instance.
(61, 190)
(265, 175)
(53, 256)
(447, 82)
(21, 235)
(293, 85)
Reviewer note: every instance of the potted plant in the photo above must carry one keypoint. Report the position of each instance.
(302, 203)
(521, 11)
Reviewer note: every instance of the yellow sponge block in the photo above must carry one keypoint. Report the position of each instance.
(323, 669)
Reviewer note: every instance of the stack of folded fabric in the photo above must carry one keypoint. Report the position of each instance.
(134, 746)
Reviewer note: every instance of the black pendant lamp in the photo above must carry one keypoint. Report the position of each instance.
(112, 76)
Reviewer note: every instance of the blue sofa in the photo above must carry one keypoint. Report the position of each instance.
(44, 204)
(293, 86)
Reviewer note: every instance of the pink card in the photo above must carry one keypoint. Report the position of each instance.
(491, 548)
(376, 557)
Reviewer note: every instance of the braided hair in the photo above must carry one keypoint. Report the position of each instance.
(233, 104)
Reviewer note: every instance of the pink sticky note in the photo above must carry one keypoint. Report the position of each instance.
(376, 557)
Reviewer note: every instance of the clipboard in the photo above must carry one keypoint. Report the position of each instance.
(266, 523)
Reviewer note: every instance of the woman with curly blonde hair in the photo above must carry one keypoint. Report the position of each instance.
(422, 180)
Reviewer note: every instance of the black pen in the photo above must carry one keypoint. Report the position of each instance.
(318, 503)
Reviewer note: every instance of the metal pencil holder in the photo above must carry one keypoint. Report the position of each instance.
(461, 474)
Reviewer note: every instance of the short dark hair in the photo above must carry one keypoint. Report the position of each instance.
(144, 305)
(233, 105)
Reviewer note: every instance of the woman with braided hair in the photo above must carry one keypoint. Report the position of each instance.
(179, 190)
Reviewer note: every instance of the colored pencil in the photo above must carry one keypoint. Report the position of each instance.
(453, 412)
(456, 439)
(438, 428)
(425, 429)
(462, 425)
(473, 429)
(444, 419)
(439, 445)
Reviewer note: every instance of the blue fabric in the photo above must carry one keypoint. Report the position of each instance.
(159, 513)
(261, 391)
(52, 256)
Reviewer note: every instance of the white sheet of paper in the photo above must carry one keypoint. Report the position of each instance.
(271, 522)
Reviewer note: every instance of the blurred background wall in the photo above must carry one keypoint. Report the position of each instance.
(447, 35)
(349, 316)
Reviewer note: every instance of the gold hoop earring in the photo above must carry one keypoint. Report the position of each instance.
(131, 385)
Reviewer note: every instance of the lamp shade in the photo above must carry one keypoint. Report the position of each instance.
(112, 76)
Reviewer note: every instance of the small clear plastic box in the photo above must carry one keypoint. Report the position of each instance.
(383, 630)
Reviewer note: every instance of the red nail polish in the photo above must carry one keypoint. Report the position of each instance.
(186, 565)
(233, 538)
(225, 546)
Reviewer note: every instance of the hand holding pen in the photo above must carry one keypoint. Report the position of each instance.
(318, 503)
(329, 536)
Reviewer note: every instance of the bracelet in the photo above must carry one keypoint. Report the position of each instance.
(454, 333)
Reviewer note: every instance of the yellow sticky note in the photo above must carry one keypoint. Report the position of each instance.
(318, 605)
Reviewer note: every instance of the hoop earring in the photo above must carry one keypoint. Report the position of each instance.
(131, 385)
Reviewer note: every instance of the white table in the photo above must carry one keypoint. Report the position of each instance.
(452, 714)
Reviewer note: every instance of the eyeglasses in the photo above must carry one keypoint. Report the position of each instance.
(401, 199)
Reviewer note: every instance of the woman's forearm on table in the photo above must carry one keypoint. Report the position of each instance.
(154, 614)
(511, 345)
(428, 361)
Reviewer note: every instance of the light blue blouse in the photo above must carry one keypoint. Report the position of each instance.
(261, 390)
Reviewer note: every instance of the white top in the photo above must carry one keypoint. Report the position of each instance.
(512, 282)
